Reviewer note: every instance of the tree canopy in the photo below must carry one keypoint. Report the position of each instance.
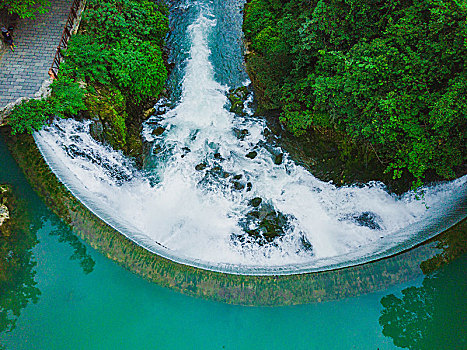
(25, 8)
(387, 73)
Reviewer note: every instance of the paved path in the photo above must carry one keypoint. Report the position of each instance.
(23, 71)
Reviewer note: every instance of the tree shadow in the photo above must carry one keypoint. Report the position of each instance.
(65, 235)
(434, 315)
(17, 284)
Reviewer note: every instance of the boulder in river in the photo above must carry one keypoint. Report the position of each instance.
(251, 155)
(237, 98)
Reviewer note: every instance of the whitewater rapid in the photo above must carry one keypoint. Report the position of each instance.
(192, 202)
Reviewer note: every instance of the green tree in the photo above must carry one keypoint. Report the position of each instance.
(26, 8)
(388, 74)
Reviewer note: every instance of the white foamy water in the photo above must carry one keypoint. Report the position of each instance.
(201, 217)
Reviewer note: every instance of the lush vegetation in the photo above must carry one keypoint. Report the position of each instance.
(119, 47)
(25, 8)
(117, 54)
(388, 74)
(113, 67)
(66, 99)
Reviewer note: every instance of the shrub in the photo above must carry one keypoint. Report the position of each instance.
(67, 96)
(30, 116)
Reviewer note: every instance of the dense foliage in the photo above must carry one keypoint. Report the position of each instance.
(25, 8)
(390, 74)
(112, 65)
(117, 54)
(119, 46)
(66, 99)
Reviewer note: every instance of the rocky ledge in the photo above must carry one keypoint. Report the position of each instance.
(4, 211)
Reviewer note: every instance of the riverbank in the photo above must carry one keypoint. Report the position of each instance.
(113, 72)
(349, 75)
(234, 289)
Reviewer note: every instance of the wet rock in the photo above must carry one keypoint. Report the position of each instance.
(368, 219)
(255, 202)
(156, 149)
(217, 171)
(158, 131)
(251, 155)
(4, 211)
(162, 107)
(185, 150)
(96, 129)
(278, 158)
(200, 166)
(241, 134)
(237, 97)
(305, 244)
(265, 224)
(4, 214)
(107, 108)
(238, 185)
(237, 108)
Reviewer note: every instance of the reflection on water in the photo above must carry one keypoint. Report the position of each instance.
(80, 254)
(430, 317)
(17, 284)
(17, 263)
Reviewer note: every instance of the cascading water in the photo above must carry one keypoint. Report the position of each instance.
(213, 194)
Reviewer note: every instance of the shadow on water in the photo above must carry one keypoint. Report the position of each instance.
(38, 212)
(18, 237)
(17, 284)
(427, 317)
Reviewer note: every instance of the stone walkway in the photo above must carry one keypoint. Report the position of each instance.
(23, 71)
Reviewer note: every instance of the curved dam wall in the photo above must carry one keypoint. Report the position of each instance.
(224, 287)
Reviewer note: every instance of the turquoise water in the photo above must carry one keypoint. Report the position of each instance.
(85, 301)
(102, 306)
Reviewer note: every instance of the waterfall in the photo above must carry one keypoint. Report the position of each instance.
(212, 190)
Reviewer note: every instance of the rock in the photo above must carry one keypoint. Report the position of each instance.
(4, 214)
(251, 155)
(156, 149)
(255, 202)
(305, 244)
(264, 223)
(237, 108)
(249, 185)
(185, 150)
(96, 129)
(158, 131)
(278, 158)
(240, 134)
(238, 185)
(147, 113)
(200, 166)
(217, 171)
(237, 97)
(217, 155)
(368, 219)
(237, 177)
(108, 107)
(4, 211)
